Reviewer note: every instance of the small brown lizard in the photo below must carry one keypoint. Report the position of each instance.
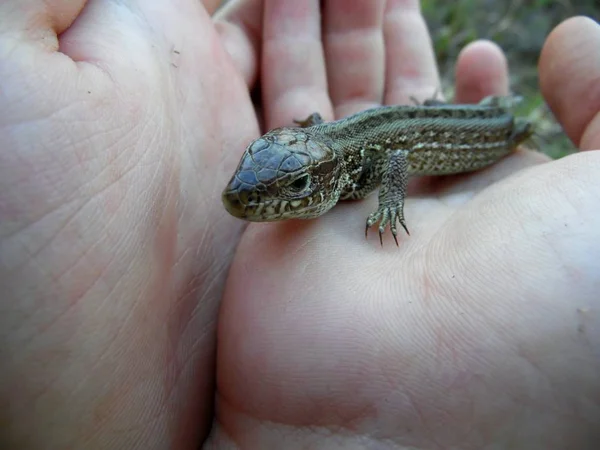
(302, 172)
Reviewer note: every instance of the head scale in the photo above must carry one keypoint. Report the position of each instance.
(287, 173)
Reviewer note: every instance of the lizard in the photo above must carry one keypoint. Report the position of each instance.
(302, 171)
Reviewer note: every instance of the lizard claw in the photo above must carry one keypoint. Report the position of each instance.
(387, 216)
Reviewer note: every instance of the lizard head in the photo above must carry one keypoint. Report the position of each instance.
(285, 174)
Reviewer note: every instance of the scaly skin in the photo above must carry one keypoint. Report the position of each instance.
(302, 172)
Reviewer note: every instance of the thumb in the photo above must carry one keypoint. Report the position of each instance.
(570, 79)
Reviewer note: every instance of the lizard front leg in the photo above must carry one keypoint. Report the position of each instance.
(391, 196)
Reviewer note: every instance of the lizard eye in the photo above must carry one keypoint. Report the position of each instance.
(300, 184)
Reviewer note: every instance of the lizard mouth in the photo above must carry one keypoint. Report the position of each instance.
(264, 211)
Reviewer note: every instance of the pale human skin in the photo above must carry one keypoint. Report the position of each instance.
(122, 276)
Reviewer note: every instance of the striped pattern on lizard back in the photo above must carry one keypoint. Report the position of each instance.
(296, 172)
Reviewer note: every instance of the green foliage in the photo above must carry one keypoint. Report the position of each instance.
(520, 27)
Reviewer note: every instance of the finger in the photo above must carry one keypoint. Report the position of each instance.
(37, 21)
(355, 54)
(88, 39)
(481, 70)
(130, 38)
(294, 80)
(570, 79)
(29, 55)
(411, 70)
(239, 24)
(211, 5)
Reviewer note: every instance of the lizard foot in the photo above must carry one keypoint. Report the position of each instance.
(387, 215)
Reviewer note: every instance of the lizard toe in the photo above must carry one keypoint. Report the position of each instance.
(387, 217)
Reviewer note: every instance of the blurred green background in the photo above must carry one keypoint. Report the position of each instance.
(520, 27)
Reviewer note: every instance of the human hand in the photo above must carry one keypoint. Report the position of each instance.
(480, 330)
(116, 222)
(117, 138)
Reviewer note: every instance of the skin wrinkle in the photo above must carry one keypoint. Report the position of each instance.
(251, 305)
(353, 43)
(417, 72)
(43, 246)
(299, 80)
(116, 178)
(285, 71)
(185, 367)
(128, 369)
(434, 430)
(72, 304)
(353, 15)
(315, 95)
(84, 290)
(129, 313)
(235, 23)
(370, 39)
(421, 419)
(18, 187)
(338, 433)
(302, 17)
